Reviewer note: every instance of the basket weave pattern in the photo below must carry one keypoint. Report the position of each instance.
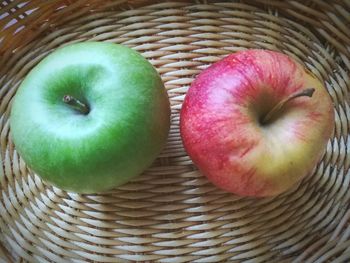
(171, 213)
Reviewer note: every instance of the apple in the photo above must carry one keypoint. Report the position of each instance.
(90, 116)
(256, 122)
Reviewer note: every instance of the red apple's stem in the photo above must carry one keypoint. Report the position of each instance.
(305, 92)
(76, 104)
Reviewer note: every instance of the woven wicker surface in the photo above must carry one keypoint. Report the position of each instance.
(171, 213)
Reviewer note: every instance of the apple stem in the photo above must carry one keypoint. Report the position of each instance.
(76, 104)
(305, 92)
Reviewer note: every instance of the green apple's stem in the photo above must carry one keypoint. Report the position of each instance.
(76, 104)
(305, 92)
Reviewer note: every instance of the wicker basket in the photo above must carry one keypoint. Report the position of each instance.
(171, 213)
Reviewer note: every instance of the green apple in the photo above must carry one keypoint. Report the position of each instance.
(90, 116)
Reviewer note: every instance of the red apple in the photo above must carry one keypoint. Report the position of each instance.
(256, 122)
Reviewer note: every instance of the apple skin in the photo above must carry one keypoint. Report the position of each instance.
(222, 131)
(123, 133)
